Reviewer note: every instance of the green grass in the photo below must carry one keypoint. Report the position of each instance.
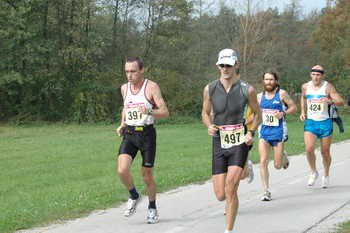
(345, 227)
(56, 172)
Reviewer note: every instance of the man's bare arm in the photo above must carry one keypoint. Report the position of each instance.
(206, 112)
(162, 110)
(336, 99)
(122, 125)
(302, 102)
(292, 107)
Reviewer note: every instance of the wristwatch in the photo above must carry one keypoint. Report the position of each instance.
(149, 111)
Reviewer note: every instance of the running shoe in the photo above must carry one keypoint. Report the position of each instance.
(250, 176)
(131, 206)
(266, 196)
(152, 216)
(312, 178)
(325, 181)
(285, 160)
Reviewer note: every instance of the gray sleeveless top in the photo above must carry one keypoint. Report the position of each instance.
(229, 108)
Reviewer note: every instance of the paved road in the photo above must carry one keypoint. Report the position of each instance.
(295, 208)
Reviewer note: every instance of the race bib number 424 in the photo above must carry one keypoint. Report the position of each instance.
(231, 135)
(315, 106)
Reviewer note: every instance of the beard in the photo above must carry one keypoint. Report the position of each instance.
(269, 87)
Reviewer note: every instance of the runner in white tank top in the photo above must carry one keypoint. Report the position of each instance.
(132, 104)
(316, 96)
(143, 102)
(317, 109)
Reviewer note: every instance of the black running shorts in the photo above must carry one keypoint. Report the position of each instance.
(140, 138)
(223, 158)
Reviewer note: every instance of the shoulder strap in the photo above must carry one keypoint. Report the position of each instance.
(212, 87)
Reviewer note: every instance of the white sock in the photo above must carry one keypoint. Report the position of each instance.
(228, 231)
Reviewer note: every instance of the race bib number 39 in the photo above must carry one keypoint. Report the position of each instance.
(231, 135)
(269, 118)
(315, 106)
(133, 113)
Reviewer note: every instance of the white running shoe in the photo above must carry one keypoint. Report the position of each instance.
(312, 178)
(131, 206)
(285, 160)
(250, 176)
(325, 181)
(152, 216)
(266, 196)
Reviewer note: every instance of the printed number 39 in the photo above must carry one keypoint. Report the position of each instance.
(133, 115)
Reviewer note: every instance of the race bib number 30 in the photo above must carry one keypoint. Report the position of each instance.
(315, 106)
(133, 113)
(231, 135)
(269, 118)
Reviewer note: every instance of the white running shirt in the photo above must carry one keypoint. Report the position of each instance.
(133, 116)
(316, 109)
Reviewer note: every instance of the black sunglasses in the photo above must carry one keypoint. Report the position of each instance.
(225, 65)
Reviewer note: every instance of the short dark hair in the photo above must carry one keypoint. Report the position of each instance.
(136, 59)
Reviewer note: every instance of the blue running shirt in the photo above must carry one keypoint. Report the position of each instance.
(271, 127)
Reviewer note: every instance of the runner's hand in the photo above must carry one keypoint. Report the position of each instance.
(120, 130)
(212, 130)
(249, 138)
(279, 115)
(143, 109)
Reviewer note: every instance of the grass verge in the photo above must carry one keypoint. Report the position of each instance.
(56, 172)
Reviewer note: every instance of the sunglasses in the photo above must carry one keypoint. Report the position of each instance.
(225, 65)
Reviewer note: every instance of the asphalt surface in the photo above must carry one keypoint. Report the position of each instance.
(295, 208)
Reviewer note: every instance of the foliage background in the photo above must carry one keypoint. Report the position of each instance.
(63, 60)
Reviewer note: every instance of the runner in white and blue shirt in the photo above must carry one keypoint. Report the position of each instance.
(316, 97)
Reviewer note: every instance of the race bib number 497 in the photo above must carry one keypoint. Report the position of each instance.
(231, 135)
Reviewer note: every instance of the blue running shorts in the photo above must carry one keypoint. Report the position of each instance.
(320, 129)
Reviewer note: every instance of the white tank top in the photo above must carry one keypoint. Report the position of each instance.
(316, 109)
(133, 116)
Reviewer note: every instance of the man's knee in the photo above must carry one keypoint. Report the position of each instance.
(220, 196)
(122, 171)
(278, 166)
(309, 149)
(326, 155)
(147, 176)
(264, 162)
(325, 152)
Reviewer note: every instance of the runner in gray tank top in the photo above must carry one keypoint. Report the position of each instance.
(225, 102)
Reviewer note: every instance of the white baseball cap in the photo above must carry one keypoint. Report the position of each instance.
(227, 57)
